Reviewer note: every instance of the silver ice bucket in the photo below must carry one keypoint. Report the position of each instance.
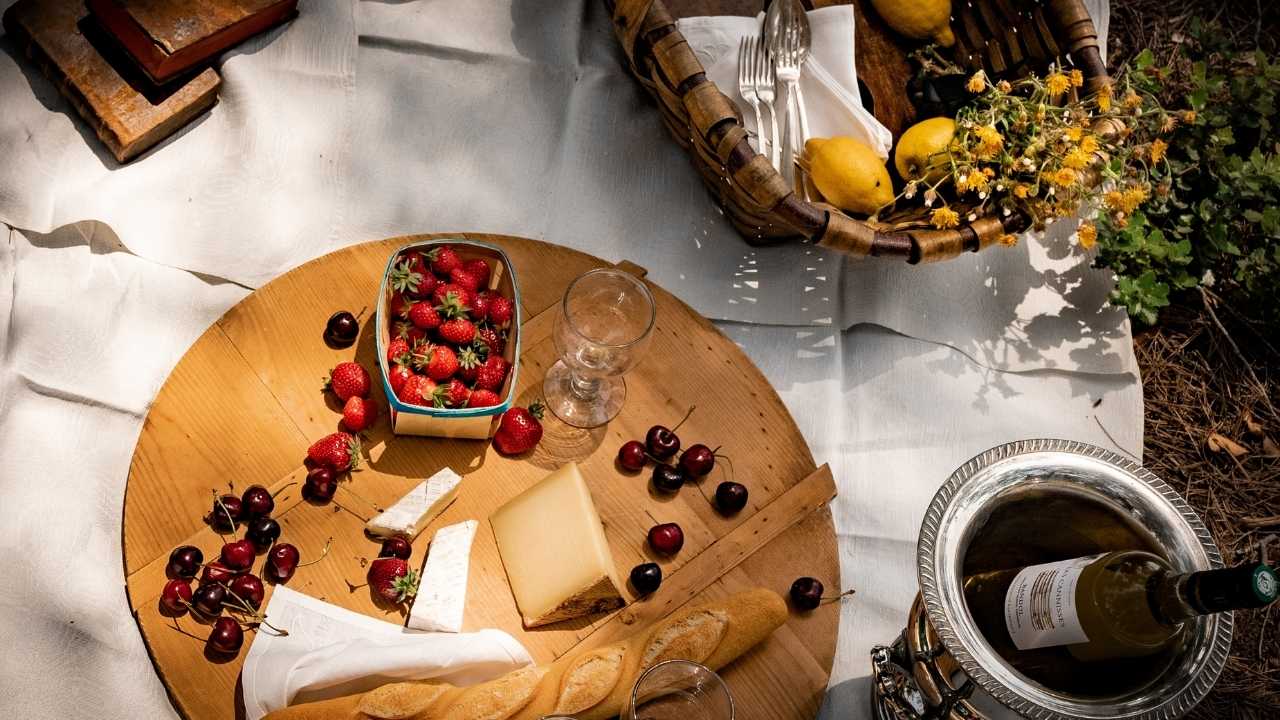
(1037, 501)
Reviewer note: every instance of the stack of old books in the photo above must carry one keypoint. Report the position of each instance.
(137, 70)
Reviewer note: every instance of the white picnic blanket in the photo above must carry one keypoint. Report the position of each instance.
(363, 120)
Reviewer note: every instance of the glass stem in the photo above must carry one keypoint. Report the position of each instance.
(584, 388)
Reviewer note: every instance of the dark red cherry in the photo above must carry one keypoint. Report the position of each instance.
(262, 531)
(806, 593)
(396, 547)
(631, 455)
(281, 562)
(320, 485)
(225, 513)
(661, 442)
(667, 478)
(257, 501)
(216, 572)
(184, 561)
(208, 599)
(698, 460)
(248, 588)
(175, 596)
(226, 637)
(666, 538)
(238, 555)
(646, 577)
(731, 497)
(342, 330)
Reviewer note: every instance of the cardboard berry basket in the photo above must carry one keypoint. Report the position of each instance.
(467, 423)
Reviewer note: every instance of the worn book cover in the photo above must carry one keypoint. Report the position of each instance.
(169, 37)
(126, 110)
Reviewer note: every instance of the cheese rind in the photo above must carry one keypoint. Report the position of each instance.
(418, 507)
(442, 591)
(555, 552)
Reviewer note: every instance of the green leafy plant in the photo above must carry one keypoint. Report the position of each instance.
(1213, 218)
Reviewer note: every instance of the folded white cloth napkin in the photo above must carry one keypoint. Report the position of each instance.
(330, 652)
(829, 81)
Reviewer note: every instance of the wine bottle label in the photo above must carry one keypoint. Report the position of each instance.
(1040, 606)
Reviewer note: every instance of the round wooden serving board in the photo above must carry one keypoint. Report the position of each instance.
(245, 402)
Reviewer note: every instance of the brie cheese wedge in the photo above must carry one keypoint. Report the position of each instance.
(442, 589)
(420, 506)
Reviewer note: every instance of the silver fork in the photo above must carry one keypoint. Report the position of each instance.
(765, 80)
(748, 85)
(787, 32)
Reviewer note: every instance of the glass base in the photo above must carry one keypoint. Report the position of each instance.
(578, 406)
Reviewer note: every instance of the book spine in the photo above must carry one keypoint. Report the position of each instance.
(31, 50)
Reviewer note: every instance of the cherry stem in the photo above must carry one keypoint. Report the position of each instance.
(703, 492)
(286, 487)
(651, 517)
(323, 552)
(834, 598)
(178, 627)
(361, 313)
(218, 501)
(686, 417)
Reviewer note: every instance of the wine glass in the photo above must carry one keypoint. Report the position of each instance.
(678, 690)
(603, 325)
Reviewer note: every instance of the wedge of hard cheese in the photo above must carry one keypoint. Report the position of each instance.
(588, 685)
(554, 549)
(418, 507)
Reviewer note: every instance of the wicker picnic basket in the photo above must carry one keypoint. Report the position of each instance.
(1006, 38)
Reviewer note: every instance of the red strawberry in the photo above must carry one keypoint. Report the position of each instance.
(416, 390)
(483, 398)
(359, 414)
(460, 276)
(399, 305)
(417, 263)
(478, 268)
(462, 296)
(444, 260)
(397, 376)
(494, 341)
(442, 363)
(424, 316)
(480, 305)
(409, 332)
(348, 379)
(518, 430)
(459, 331)
(456, 393)
(468, 364)
(404, 279)
(392, 580)
(397, 350)
(492, 373)
(501, 310)
(337, 451)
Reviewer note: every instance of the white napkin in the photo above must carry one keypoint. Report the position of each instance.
(330, 652)
(828, 82)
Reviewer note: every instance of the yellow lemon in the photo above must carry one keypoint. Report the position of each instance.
(919, 19)
(921, 151)
(849, 174)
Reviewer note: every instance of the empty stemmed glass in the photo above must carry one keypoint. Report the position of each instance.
(601, 329)
(678, 690)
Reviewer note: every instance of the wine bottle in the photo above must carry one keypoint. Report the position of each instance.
(1123, 604)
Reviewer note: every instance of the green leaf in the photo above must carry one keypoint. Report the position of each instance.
(1144, 59)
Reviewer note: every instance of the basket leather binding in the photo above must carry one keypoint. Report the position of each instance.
(1000, 36)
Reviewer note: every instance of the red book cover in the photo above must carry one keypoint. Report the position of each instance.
(166, 38)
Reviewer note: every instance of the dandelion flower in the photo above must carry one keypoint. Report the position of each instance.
(990, 141)
(930, 196)
(1089, 144)
(1104, 98)
(944, 217)
(977, 83)
(1004, 86)
(1008, 239)
(1188, 116)
(1113, 200)
(1158, 147)
(1063, 177)
(910, 190)
(1077, 78)
(1133, 197)
(1021, 190)
(1057, 83)
(1088, 235)
(1132, 100)
(1074, 133)
(1169, 123)
(1077, 159)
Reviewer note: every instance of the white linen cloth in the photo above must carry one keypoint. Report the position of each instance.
(829, 82)
(505, 116)
(331, 652)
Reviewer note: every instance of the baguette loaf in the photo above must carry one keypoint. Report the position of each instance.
(589, 685)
